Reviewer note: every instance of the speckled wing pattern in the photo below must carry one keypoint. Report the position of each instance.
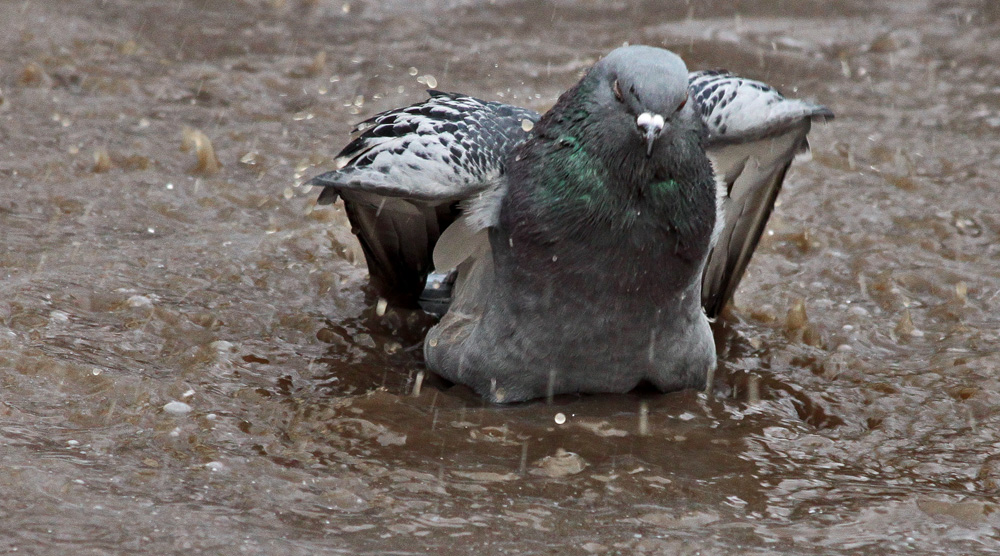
(754, 134)
(445, 148)
(403, 175)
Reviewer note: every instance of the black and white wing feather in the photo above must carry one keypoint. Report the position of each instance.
(754, 134)
(445, 148)
(402, 177)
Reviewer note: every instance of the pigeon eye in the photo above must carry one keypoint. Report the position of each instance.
(618, 91)
(683, 102)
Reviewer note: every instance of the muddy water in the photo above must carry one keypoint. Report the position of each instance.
(188, 362)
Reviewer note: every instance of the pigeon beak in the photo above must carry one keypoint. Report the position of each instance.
(651, 125)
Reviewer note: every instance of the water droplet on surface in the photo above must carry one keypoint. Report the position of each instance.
(221, 345)
(140, 301)
(177, 408)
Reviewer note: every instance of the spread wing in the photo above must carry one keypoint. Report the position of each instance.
(405, 173)
(754, 134)
(403, 176)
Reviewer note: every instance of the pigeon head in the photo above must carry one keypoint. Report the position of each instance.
(641, 89)
(624, 135)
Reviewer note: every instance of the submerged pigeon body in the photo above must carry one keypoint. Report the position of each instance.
(579, 240)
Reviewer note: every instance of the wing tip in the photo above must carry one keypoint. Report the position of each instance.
(822, 114)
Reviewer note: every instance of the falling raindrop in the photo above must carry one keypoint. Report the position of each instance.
(753, 389)
(102, 161)
(418, 383)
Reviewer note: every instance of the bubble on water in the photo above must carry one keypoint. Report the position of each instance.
(221, 345)
(170, 186)
(72, 442)
(381, 306)
(428, 80)
(413, 71)
(560, 418)
(215, 466)
(643, 419)
(527, 125)
(288, 193)
(561, 464)
(188, 394)
(249, 158)
(304, 115)
(140, 301)
(151, 230)
(177, 408)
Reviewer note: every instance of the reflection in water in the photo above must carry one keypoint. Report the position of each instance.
(188, 362)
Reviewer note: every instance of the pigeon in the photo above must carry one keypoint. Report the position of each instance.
(588, 248)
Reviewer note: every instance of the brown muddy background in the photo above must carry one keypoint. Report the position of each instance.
(857, 407)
